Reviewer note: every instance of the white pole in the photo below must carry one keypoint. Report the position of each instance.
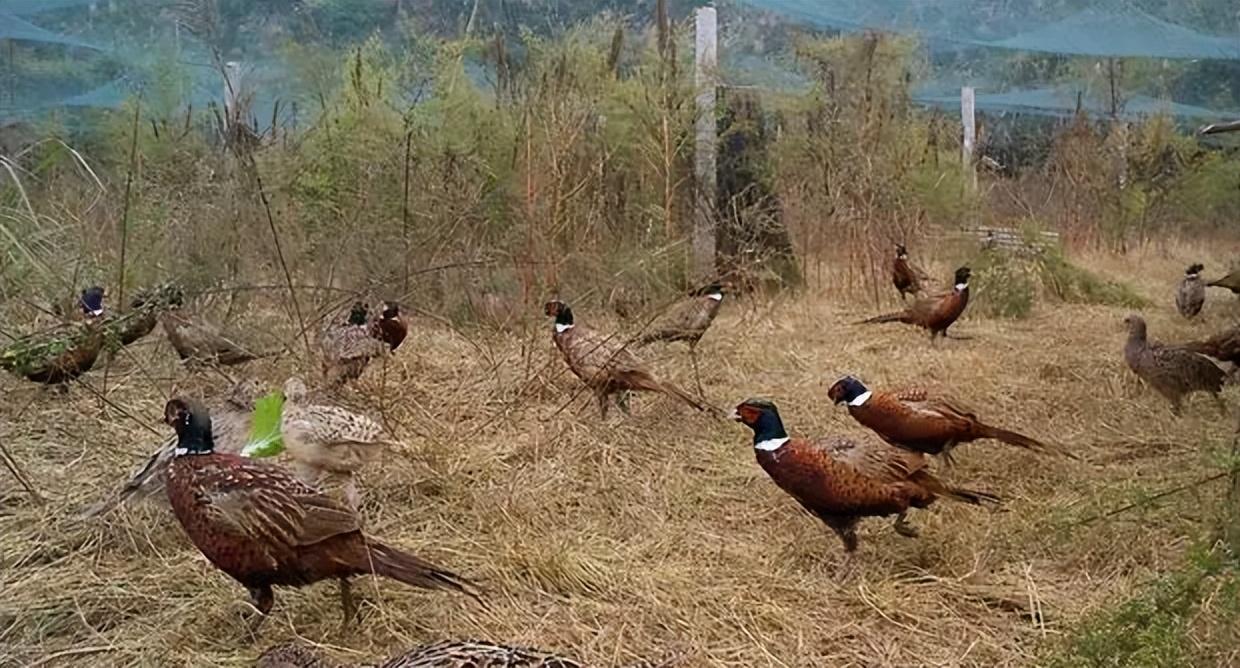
(232, 89)
(706, 75)
(968, 145)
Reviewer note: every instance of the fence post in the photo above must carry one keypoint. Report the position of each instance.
(968, 145)
(706, 74)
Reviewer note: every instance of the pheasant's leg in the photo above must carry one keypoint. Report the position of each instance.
(604, 400)
(948, 461)
(346, 601)
(902, 526)
(697, 378)
(351, 494)
(1222, 407)
(1177, 407)
(262, 598)
(622, 401)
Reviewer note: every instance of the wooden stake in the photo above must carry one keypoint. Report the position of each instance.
(705, 156)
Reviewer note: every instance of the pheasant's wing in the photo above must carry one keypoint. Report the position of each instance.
(1185, 369)
(352, 342)
(874, 459)
(271, 506)
(600, 353)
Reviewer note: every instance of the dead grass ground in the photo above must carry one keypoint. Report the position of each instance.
(655, 534)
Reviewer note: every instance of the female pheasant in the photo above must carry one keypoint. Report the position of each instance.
(347, 347)
(328, 444)
(841, 481)
(1173, 372)
(604, 364)
(1190, 296)
(906, 277)
(687, 321)
(264, 527)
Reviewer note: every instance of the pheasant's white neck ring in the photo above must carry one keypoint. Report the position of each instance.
(94, 312)
(561, 327)
(771, 444)
(717, 296)
(961, 287)
(181, 452)
(861, 399)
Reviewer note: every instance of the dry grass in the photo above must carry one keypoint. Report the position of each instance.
(650, 535)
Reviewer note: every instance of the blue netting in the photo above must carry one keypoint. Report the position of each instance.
(1132, 34)
(1063, 102)
(1108, 29)
(28, 7)
(12, 27)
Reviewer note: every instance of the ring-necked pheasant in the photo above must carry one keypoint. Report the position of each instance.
(64, 353)
(230, 425)
(1190, 296)
(328, 444)
(389, 327)
(914, 420)
(447, 654)
(262, 526)
(1172, 371)
(604, 364)
(841, 481)
(348, 346)
(935, 313)
(904, 275)
(687, 320)
(1224, 346)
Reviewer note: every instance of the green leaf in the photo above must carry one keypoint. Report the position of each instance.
(265, 438)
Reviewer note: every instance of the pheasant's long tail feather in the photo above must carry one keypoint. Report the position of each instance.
(937, 487)
(411, 570)
(902, 316)
(1021, 441)
(643, 381)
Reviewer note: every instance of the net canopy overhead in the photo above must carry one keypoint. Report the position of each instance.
(15, 28)
(28, 7)
(1052, 101)
(1129, 35)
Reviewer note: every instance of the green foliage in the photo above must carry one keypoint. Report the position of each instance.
(1162, 626)
(1007, 283)
(265, 439)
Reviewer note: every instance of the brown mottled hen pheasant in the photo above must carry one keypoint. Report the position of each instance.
(1190, 296)
(447, 654)
(230, 425)
(687, 320)
(1173, 372)
(914, 420)
(348, 347)
(328, 444)
(840, 481)
(262, 526)
(904, 275)
(605, 365)
(935, 313)
(199, 342)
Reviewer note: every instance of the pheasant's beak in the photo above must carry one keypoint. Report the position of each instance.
(735, 415)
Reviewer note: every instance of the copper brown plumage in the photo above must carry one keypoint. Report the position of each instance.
(605, 364)
(264, 527)
(687, 320)
(1190, 295)
(1172, 371)
(841, 481)
(904, 275)
(1231, 281)
(347, 346)
(446, 654)
(390, 327)
(935, 313)
(915, 420)
(64, 353)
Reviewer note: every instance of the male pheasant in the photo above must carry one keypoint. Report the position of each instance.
(935, 313)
